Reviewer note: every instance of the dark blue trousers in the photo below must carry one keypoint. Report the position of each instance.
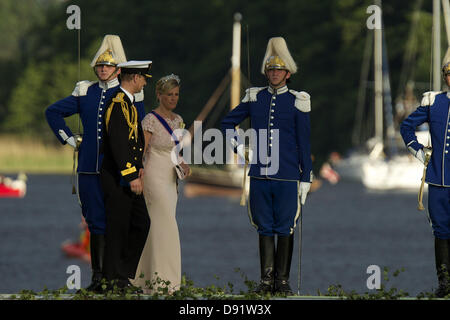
(439, 210)
(92, 202)
(274, 206)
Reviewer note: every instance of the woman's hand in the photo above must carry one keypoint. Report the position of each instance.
(141, 176)
(186, 169)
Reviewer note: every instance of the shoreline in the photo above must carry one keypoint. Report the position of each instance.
(33, 156)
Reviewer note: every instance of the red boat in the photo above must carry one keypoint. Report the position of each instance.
(10, 188)
(79, 249)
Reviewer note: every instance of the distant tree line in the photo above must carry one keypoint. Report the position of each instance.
(193, 39)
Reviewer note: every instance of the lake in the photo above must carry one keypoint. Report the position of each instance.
(346, 229)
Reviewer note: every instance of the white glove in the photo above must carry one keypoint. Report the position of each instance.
(304, 189)
(420, 155)
(241, 153)
(71, 142)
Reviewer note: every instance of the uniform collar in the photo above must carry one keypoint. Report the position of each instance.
(129, 95)
(281, 90)
(105, 85)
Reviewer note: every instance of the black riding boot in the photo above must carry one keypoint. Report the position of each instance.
(441, 251)
(97, 243)
(285, 246)
(266, 258)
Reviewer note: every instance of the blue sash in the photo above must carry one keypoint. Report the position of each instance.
(180, 172)
(166, 125)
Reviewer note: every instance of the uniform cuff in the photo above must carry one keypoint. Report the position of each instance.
(414, 145)
(130, 173)
(307, 177)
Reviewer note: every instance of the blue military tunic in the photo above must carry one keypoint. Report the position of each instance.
(281, 115)
(89, 100)
(282, 156)
(434, 110)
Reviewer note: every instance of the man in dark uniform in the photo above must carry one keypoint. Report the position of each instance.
(89, 101)
(280, 179)
(127, 220)
(435, 110)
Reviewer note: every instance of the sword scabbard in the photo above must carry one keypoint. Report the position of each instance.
(427, 152)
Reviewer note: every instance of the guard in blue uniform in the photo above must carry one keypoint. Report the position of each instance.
(127, 220)
(434, 109)
(89, 101)
(281, 171)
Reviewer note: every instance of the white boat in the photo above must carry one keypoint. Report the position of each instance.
(376, 171)
(371, 166)
(399, 172)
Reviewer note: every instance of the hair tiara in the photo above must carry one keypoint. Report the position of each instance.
(171, 77)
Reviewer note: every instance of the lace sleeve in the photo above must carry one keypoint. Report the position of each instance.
(148, 123)
(180, 124)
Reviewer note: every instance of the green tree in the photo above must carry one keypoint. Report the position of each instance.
(41, 85)
(193, 39)
(17, 20)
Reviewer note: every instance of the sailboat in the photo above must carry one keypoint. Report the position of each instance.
(221, 180)
(386, 164)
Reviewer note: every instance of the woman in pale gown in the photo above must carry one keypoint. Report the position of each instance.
(160, 261)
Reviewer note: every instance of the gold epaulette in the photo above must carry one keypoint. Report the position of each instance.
(117, 98)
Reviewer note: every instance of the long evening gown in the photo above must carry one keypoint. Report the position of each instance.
(161, 258)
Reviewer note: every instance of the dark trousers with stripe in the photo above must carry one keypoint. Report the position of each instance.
(274, 206)
(127, 226)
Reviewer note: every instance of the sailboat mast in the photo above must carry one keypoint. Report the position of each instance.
(387, 103)
(235, 92)
(446, 7)
(436, 45)
(235, 86)
(378, 54)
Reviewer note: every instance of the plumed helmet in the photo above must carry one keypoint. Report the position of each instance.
(446, 63)
(278, 56)
(446, 69)
(275, 62)
(110, 52)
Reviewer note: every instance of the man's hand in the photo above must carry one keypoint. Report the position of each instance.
(71, 141)
(304, 189)
(136, 186)
(420, 155)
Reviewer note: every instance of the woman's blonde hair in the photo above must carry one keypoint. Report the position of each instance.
(167, 83)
